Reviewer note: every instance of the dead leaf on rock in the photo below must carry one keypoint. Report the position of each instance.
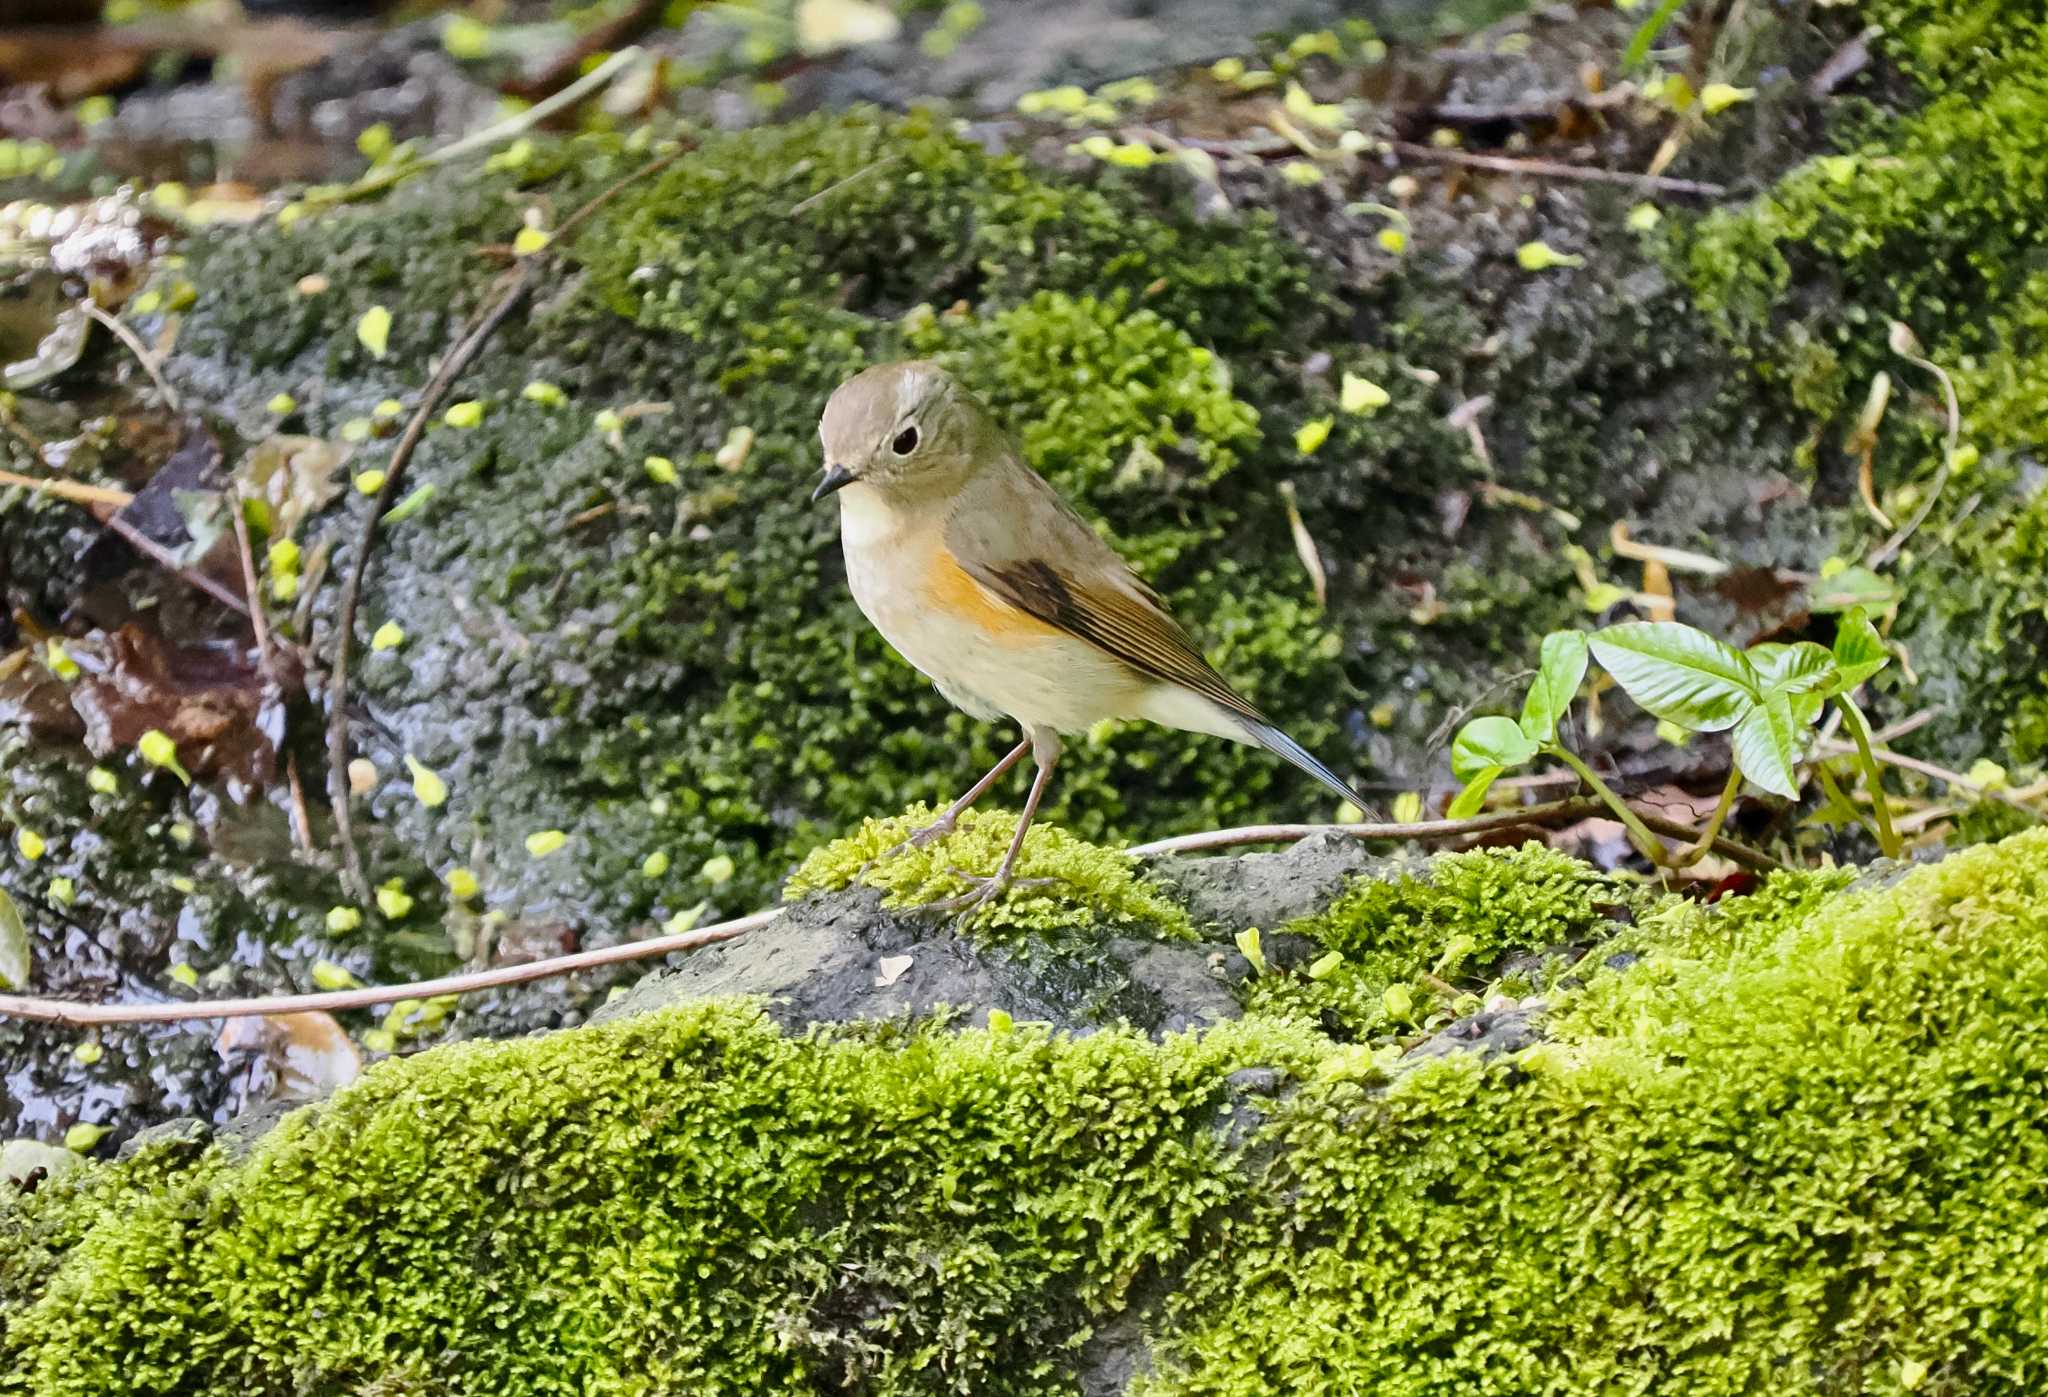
(294, 476)
(288, 1057)
(892, 968)
(209, 699)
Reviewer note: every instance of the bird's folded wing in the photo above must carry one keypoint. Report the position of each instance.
(1127, 621)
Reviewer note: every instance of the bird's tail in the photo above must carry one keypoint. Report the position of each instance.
(1281, 745)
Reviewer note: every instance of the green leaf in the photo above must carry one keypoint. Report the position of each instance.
(1859, 650)
(13, 945)
(1766, 745)
(1856, 586)
(1792, 669)
(1486, 742)
(1679, 673)
(1558, 674)
(1474, 795)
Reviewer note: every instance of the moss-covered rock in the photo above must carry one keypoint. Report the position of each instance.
(1408, 946)
(1933, 219)
(1786, 1144)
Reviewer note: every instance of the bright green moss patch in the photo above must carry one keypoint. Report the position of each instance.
(1812, 1160)
(1091, 887)
(1419, 934)
(689, 1201)
(1796, 1146)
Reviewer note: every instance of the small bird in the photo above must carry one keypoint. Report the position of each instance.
(981, 576)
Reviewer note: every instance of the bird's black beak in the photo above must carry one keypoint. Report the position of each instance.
(836, 478)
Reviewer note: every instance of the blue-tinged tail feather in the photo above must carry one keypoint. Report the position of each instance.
(1280, 744)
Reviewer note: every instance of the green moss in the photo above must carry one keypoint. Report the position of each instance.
(1975, 620)
(1932, 218)
(688, 1201)
(1796, 1145)
(1809, 1162)
(1436, 933)
(1092, 888)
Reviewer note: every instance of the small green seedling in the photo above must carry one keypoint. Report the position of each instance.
(1767, 699)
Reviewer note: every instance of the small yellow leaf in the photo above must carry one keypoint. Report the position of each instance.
(329, 976)
(1362, 395)
(544, 842)
(1541, 256)
(1309, 437)
(529, 241)
(374, 330)
(464, 414)
(462, 884)
(1717, 97)
(429, 789)
(388, 636)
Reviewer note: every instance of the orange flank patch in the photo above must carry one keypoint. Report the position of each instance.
(948, 587)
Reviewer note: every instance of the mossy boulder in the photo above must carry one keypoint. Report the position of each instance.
(1781, 1142)
(1931, 219)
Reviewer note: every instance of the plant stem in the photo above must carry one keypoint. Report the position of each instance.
(1697, 850)
(1859, 729)
(1840, 797)
(1639, 834)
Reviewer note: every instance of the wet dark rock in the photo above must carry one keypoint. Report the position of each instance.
(1263, 890)
(1490, 1034)
(841, 957)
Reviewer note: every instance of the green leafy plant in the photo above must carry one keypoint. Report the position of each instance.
(1766, 698)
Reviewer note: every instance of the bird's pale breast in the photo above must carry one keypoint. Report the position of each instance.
(985, 655)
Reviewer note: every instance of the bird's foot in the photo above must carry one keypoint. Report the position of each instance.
(984, 891)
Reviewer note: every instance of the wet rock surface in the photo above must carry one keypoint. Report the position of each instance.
(840, 958)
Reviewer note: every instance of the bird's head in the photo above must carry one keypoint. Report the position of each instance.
(906, 430)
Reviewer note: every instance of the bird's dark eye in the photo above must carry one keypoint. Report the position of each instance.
(905, 443)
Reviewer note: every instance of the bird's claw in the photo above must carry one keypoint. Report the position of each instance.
(984, 891)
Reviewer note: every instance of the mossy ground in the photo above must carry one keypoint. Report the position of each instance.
(1786, 1147)
(1068, 884)
(1408, 950)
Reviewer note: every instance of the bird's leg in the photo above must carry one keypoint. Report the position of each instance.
(943, 826)
(1045, 746)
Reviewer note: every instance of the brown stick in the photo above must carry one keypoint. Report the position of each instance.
(65, 1012)
(1552, 813)
(1556, 169)
(517, 283)
(158, 554)
(359, 564)
(58, 1011)
(136, 347)
(72, 490)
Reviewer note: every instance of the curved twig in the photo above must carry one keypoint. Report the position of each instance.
(58, 1011)
(517, 283)
(72, 1014)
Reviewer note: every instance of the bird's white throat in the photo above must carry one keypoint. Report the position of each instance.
(865, 517)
